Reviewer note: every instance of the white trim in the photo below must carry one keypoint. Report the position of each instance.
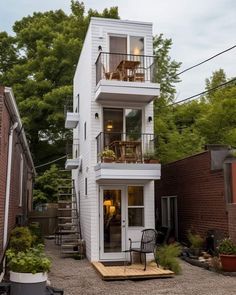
(8, 184)
(113, 255)
(21, 179)
(24, 278)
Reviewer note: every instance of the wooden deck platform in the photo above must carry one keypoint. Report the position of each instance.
(131, 272)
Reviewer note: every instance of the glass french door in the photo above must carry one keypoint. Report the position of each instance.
(112, 223)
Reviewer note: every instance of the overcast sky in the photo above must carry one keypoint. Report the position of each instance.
(198, 29)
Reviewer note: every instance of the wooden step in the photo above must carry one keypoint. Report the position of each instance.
(67, 217)
(69, 252)
(66, 209)
(69, 245)
(65, 202)
(68, 231)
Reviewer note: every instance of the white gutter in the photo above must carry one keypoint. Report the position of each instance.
(8, 189)
(12, 104)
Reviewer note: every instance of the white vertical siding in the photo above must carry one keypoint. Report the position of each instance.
(84, 84)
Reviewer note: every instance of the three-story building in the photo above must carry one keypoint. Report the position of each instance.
(112, 121)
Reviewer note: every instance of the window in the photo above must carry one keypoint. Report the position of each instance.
(137, 45)
(85, 131)
(21, 179)
(135, 206)
(78, 103)
(85, 186)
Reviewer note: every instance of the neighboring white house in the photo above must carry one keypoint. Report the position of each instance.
(113, 109)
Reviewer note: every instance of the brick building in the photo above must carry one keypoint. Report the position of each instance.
(199, 193)
(16, 168)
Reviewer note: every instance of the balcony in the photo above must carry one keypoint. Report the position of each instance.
(71, 117)
(125, 78)
(126, 156)
(73, 160)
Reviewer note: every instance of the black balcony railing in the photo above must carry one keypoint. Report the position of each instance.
(68, 106)
(125, 67)
(125, 147)
(72, 149)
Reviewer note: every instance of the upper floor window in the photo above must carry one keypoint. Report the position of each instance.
(137, 45)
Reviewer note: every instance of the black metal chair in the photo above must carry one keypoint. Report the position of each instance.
(5, 288)
(52, 291)
(147, 244)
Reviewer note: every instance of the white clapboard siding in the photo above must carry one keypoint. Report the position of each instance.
(84, 85)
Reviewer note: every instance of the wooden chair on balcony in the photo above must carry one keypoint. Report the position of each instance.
(113, 75)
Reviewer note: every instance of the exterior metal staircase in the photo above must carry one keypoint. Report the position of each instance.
(68, 234)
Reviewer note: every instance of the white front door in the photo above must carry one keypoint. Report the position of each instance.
(113, 225)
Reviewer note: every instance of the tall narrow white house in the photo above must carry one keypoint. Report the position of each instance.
(113, 138)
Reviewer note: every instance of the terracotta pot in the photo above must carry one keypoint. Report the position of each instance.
(107, 160)
(153, 161)
(228, 262)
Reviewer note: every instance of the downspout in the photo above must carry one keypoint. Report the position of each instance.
(8, 189)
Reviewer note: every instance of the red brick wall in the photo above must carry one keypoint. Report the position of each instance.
(200, 193)
(232, 221)
(4, 129)
(17, 150)
(234, 181)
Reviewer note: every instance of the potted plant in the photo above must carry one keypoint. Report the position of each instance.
(108, 156)
(151, 158)
(28, 271)
(196, 243)
(227, 251)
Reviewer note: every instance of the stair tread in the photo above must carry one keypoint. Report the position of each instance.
(66, 209)
(67, 217)
(69, 252)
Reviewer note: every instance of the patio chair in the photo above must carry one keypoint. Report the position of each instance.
(147, 245)
(115, 75)
(5, 288)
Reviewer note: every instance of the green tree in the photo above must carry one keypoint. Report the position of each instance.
(39, 63)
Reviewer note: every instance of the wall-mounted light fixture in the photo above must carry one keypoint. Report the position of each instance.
(149, 119)
(96, 116)
(99, 48)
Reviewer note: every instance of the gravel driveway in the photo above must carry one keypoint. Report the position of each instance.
(79, 277)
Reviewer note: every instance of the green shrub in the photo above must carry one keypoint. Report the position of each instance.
(21, 239)
(195, 240)
(166, 256)
(32, 260)
(36, 233)
(227, 246)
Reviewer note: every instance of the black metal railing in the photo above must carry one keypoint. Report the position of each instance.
(68, 106)
(72, 149)
(125, 67)
(125, 147)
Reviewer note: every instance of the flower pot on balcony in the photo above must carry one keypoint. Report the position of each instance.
(153, 161)
(107, 160)
(228, 262)
(27, 283)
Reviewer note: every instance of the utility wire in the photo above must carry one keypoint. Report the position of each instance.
(56, 160)
(203, 92)
(204, 61)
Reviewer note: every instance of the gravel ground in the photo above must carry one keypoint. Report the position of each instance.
(79, 277)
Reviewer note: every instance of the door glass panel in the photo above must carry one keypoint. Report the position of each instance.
(135, 216)
(137, 48)
(133, 119)
(135, 206)
(112, 125)
(135, 196)
(137, 45)
(112, 220)
(117, 45)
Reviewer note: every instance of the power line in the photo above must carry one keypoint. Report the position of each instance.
(203, 92)
(56, 160)
(199, 94)
(204, 61)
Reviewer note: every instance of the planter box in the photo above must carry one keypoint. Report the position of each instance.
(228, 262)
(28, 283)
